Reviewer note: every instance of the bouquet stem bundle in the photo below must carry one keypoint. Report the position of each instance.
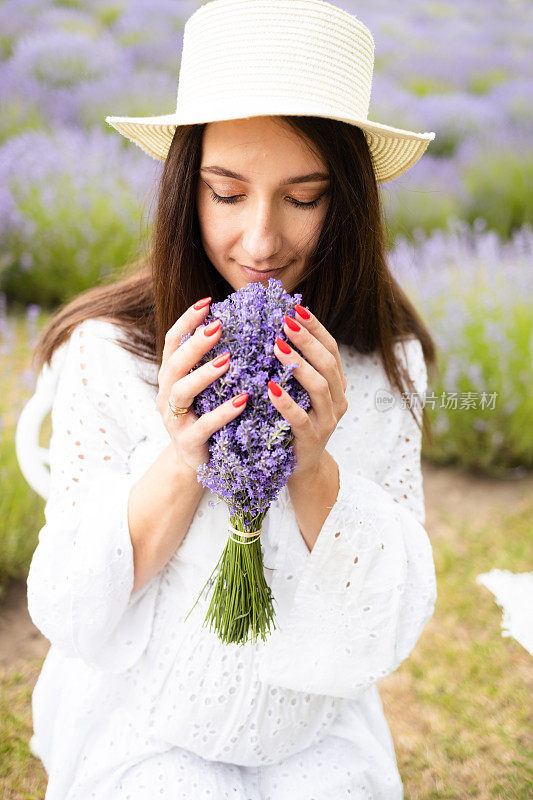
(242, 600)
(242, 604)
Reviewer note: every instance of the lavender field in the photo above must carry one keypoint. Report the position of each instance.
(475, 292)
(72, 190)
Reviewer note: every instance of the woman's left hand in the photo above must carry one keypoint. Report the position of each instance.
(321, 375)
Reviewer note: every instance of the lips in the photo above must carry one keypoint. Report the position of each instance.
(261, 274)
(260, 270)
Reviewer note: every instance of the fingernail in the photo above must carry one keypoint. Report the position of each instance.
(274, 388)
(292, 324)
(283, 346)
(212, 328)
(303, 312)
(202, 303)
(240, 400)
(221, 360)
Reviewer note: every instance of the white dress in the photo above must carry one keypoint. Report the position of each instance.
(135, 702)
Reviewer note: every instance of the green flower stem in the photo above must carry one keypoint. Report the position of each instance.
(241, 607)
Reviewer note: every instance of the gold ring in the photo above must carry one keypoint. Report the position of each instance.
(175, 410)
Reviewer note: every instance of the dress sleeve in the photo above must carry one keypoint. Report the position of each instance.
(368, 587)
(81, 575)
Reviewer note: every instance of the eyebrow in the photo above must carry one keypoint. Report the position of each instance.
(228, 173)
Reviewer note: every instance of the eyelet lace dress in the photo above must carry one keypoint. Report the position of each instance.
(136, 702)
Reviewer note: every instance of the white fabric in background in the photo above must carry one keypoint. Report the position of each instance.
(514, 593)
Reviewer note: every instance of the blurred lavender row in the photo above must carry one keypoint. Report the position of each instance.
(459, 68)
(70, 211)
(462, 69)
(475, 293)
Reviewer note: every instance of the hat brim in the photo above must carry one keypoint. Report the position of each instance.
(393, 150)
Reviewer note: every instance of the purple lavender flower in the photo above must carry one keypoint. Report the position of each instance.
(250, 457)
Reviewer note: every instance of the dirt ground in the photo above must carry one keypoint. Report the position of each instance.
(448, 493)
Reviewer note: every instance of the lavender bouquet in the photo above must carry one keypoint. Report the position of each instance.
(251, 457)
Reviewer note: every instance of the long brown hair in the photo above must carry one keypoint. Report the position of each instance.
(346, 283)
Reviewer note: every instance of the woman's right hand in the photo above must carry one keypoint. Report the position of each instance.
(189, 433)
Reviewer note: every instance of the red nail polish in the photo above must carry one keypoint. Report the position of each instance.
(303, 312)
(202, 303)
(221, 360)
(292, 324)
(212, 328)
(283, 346)
(274, 388)
(240, 400)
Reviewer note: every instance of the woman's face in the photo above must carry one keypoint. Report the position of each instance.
(263, 227)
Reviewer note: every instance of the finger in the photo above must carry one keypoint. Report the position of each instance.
(212, 421)
(295, 415)
(185, 358)
(183, 391)
(187, 323)
(312, 381)
(318, 355)
(320, 332)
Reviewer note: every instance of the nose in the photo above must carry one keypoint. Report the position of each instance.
(262, 236)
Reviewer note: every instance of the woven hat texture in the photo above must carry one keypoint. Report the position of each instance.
(246, 58)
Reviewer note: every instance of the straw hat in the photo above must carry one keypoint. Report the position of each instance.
(246, 58)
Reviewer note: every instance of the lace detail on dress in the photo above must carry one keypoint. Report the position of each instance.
(81, 574)
(358, 602)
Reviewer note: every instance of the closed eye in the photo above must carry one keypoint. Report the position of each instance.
(234, 199)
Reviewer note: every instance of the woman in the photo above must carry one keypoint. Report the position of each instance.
(134, 700)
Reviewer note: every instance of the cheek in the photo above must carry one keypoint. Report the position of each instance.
(213, 224)
(309, 231)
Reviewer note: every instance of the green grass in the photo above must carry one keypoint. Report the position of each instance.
(463, 705)
(21, 512)
(22, 777)
(21, 508)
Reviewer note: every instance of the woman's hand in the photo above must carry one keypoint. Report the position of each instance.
(180, 383)
(321, 375)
